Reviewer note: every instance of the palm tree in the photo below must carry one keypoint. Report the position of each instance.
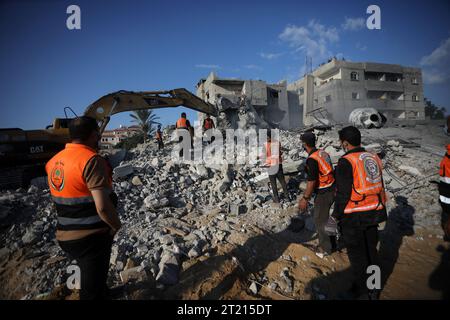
(145, 119)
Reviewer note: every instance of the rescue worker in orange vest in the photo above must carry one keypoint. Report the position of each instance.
(444, 192)
(360, 205)
(320, 174)
(81, 187)
(182, 124)
(159, 139)
(208, 124)
(275, 167)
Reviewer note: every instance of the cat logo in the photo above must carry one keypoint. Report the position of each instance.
(57, 176)
(37, 149)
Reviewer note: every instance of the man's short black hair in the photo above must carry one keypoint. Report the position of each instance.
(350, 134)
(81, 128)
(183, 115)
(309, 139)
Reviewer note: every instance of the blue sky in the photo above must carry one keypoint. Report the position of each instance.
(159, 45)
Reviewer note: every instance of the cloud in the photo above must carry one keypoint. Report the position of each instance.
(361, 47)
(252, 67)
(436, 65)
(354, 24)
(313, 39)
(208, 66)
(270, 56)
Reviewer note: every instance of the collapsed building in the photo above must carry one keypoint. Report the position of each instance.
(327, 95)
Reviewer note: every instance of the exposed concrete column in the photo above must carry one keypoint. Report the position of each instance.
(308, 100)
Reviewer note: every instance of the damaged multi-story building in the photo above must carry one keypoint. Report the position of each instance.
(330, 93)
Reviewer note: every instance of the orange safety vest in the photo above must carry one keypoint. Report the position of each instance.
(74, 202)
(181, 123)
(368, 189)
(326, 177)
(444, 168)
(444, 177)
(273, 160)
(208, 124)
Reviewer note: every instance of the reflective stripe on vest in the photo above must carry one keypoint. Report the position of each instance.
(74, 202)
(273, 160)
(367, 191)
(71, 201)
(181, 123)
(445, 180)
(79, 221)
(326, 177)
(444, 199)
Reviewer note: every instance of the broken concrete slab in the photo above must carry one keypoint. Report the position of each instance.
(123, 171)
(168, 269)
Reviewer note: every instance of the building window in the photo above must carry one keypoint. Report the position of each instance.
(414, 80)
(327, 98)
(354, 76)
(415, 97)
(355, 95)
(301, 91)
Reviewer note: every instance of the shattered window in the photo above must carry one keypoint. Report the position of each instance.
(354, 76)
(355, 95)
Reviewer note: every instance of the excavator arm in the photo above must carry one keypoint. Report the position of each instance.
(122, 101)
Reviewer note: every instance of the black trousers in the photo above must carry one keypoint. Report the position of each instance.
(273, 182)
(361, 244)
(160, 144)
(92, 254)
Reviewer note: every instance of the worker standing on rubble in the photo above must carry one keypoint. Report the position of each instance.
(275, 167)
(321, 182)
(360, 205)
(181, 124)
(159, 138)
(191, 132)
(81, 185)
(208, 124)
(444, 192)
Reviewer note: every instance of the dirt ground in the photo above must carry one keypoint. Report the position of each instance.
(416, 266)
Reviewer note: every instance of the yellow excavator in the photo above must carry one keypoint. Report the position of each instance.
(23, 153)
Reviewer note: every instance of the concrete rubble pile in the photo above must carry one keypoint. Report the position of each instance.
(163, 205)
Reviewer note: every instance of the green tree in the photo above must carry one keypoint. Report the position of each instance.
(146, 120)
(130, 142)
(433, 111)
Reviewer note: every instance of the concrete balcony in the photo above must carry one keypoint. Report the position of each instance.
(375, 85)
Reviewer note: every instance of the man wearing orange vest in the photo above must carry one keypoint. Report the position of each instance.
(275, 167)
(360, 205)
(444, 192)
(321, 182)
(159, 138)
(208, 123)
(81, 186)
(182, 124)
